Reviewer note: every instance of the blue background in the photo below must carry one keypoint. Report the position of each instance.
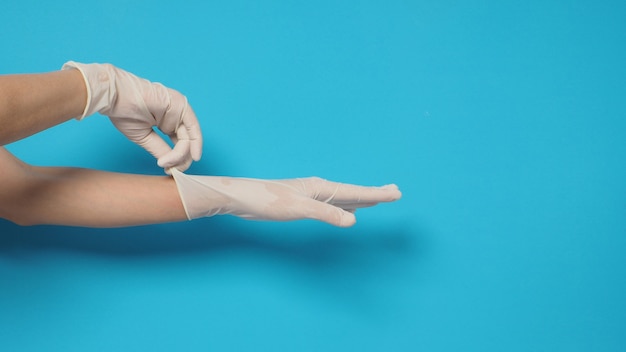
(504, 123)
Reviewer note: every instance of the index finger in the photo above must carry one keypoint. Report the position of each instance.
(344, 193)
(194, 134)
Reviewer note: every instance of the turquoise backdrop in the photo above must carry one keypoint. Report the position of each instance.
(503, 122)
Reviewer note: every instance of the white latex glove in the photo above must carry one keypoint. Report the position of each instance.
(135, 105)
(280, 200)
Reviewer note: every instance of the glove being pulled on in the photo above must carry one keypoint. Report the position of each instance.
(279, 200)
(135, 105)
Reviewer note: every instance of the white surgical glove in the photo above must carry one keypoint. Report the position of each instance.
(279, 200)
(135, 105)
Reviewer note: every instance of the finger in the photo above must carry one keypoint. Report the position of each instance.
(329, 214)
(154, 144)
(179, 116)
(178, 157)
(194, 134)
(182, 167)
(352, 206)
(165, 155)
(167, 107)
(181, 119)
(343, 193)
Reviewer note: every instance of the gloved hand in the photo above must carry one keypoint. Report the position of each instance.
(135, 105)
(281, 200)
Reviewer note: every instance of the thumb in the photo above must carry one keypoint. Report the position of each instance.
(178, 157)
(166, 156)
(329, 213)
(154, 144)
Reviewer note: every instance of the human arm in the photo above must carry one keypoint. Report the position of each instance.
(32, 195)
(278, 200)
(33, 102)
(30, 103)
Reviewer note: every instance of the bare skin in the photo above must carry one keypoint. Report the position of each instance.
(30, 103)
(31, 195)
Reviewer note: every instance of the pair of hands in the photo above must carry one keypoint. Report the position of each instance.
(135, 106)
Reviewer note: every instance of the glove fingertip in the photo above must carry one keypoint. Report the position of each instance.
(347, 219)
(196, 151)
(163, 163)
(167, 162)
(172, 160)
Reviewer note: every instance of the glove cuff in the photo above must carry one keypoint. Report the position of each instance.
(98, 82)
(178, 179)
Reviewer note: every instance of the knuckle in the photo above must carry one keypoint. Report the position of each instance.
(315, 180)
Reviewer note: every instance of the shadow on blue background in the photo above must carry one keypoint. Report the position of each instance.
(314, 248)
(64, 265)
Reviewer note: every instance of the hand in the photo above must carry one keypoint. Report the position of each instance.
(280, 200)
(135, 105)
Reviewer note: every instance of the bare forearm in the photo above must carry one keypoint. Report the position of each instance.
(30, 103)
(90, 198)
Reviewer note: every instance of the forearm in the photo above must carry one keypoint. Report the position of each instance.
(30, 103)
(90, 198)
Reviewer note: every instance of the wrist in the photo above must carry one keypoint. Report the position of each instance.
(199, 200)
(99, 83)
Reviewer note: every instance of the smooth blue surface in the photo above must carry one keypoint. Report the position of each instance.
(503, 123)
